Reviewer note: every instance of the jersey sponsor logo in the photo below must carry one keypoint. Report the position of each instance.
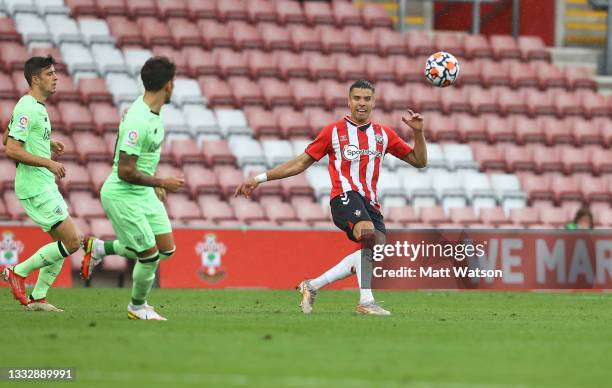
(211, 251)
(352, 152)
(132, 138)
(22, 122)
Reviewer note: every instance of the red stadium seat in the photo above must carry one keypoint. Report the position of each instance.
(556, 131)
(333, 40)
(433, 215)
(422, 97)
(217, 152)
(504, 46)
(215, 34)
(593, 104)
(200, 63)
(464, 216)
(261, 64)
(201, 180)
(217, 91)
(275, 37)
(288, 11)
(140, 8)
(57, 123)
(527, 130)
(533, 48)
(375, 15)
(107, 8)
(178, 56)
(180, 207)
(595, 189)
(292, 123)
(98, 172)
(484, 101)
(523, 75)
(216, 211)
(494, 216)
(13, 55)
(297, 186)
(518, 158)
(346, 14)
(524, 217)
(276, 93)
(155, 32)
(13, 206)
(248, 211)
(92, 147)
(102, 228)
(450, 42)
(4, 213)
(549, 75)
(246, 36)
(601, 161)
(442, 128)
(554, 216)
(402, 215)
(261, 11)
(232, 10)
(350, 68)
(321, 66)
(575, 159)
(167, 170)
(280, 212)
(334, 94)
(489, 156)
(185, 151)
(512, 102)
(262, 121)
(7, 88)
(245, 91)
(305, 38)
(540, 103)
(477, 46)
(367, 42)
(471, 73)
(586, 132)
(306, 93)
(456, 100)
(94, 90)
(231, 63)
(8, 174)
(537, 187)
(566, 188)
(8, 32)
(81, 7)
(291, 65)
(172, 9)
(318, 13)
(390, 42)
(407, 69)
(85, 205)
(547, 159)
(184, 33)
(605, 128)
(76, 116)
(420, 43)
(503, 74)
(125, 31)
(65, 91)
(392, 96)
(567, 104)
(379, 69)
(311, 212)
(76, 178)
(318, 118)
(471, 128)
(105, 117)
(199, 9)
(579, 77)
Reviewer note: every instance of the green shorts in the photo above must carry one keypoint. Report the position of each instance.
(46, 209)
(137, 221)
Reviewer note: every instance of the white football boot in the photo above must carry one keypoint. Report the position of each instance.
(371, 309)
(308, 296)
(144, 312)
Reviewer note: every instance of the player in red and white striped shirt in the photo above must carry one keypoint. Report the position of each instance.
(356, 147)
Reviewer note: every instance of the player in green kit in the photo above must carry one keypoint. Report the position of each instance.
(28, 142)
(132, 195)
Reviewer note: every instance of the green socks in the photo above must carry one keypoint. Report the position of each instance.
(47, 255)
(143, 277)
(46, 277)
(114, 247)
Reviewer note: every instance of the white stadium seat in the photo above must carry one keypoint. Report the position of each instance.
(109, 59)
(63, 29)
(33, 28)
(232, 121)
(124, 88)
(174, 121)
(276, 151)
(95, 31)
(320, 181)
(201, 122)
(187, 91)
(247, 150)
(135, 58)
(46, 7)
(16, 7)
(459, 156)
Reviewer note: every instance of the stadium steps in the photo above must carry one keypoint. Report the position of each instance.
(584, 26)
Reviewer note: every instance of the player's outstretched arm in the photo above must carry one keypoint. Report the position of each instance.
(290, 168)
(128, 172)
(16, 151)
(418, 156)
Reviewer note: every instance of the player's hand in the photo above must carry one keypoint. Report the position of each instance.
(57, 169)
(246, 188)
(172, 183)
(413, 120)
(57, 146)
(161, 193)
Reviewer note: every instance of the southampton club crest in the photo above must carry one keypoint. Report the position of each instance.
(9, 249)
(211, 251)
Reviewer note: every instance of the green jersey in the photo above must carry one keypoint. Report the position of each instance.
(30, 125)
(141, 133)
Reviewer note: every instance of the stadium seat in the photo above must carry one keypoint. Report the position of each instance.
(218, 153)
(185, 151)
(201, 121)
(375, 15)
(135, 58)
(102, 228)
(138, 8)
(180, 207)
(442, 127)
(319, 180)
(109, 59)
(420, 43)
(523, 75)
(262, 122)
(593, 104)
(91, 147)
(216, 211)
(433, 216)
(232, 10)
(527, 130)
(566, 188)
(455, 100)
(105, 117)
(297, 186)
(275, 37)
(172, 9)
(533, 48)
(556, 131)
(125, 31)
(312, 213)
(184, 33)
(231, 63)
(435, 157)
(276, 151)
(525, 217)
(98, 172)
(85, 205)
(217, 91)
(464, 216)
(484, 101)
(280, 212)
(76, 178)
(261, 64)
(63, 28)
(174, 121)
(124, 88)
(8, 31)
(489, 156)
(246, 36)
(459, 156)
(247, 150)
(248, 211)
(33, 29)
(494, 216)
(305, 38)
(13, 55)
(450, 42)
(8, 176)
(261, 11)
(554, 216)
(472, 128)
(504, 46)
(402, 215)
(477, 46)
(288, 11)
(601, 161)
(547, 159)
(276, 93)
(506, 186)
(76, 117)
(106, 8)
(537, 187)
(291, 65)
(93, 90)
(7, 88)
(549, 75)
(292, 123)
(334, 40)
(579, 78)
(65, 91)
(575, 161)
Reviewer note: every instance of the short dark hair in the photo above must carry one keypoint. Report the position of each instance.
(156, 72)
(35, 65)
(362, 84)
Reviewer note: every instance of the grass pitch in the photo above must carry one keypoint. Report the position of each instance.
(229, 338)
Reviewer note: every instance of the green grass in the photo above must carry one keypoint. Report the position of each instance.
(230, 338)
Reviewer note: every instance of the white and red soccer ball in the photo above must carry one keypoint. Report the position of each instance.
(442, 69)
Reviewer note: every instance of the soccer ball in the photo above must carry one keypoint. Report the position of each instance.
(442, 69)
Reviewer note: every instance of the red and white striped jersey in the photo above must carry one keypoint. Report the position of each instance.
(355, 154)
